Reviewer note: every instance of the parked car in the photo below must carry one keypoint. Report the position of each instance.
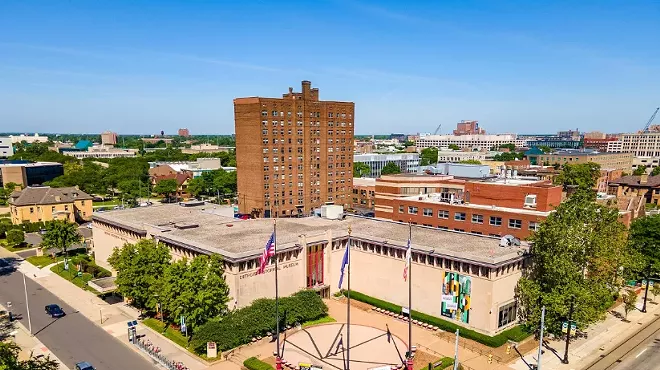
(84, 366)
(54, 311)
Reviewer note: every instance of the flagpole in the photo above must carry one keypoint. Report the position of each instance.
(410, 358)
(278, 359)
(348, 307)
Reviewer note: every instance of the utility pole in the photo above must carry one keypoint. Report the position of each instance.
(456, 351)
(27, 305)
(538, 364)
(568, 332)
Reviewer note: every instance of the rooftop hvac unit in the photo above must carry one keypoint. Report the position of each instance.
(509, 240)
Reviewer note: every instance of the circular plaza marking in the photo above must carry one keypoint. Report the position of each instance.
(326, 346)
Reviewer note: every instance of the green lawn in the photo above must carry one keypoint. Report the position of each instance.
(22, 247)
(322, 320)
(72, 276)
(107, 203)
(43, 261)
(172, 334)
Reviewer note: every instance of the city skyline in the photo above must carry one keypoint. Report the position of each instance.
(162, 66)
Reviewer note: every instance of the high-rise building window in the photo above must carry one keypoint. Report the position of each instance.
(459, 216)
(515, 224)
(495, 221)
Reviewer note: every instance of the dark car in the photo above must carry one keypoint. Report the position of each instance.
(84, 366)
(54, 311)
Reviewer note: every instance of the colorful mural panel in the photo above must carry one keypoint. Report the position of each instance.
(456, 296)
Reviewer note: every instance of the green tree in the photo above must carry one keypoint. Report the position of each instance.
(196, 290)
(508, 156)
(639, 171)
(140, 268)
(197, 186)
(545, 149)
(510, 146)
(454, 147)
(428, 156)
(656, 171)
(390, 169)
(470, 161)
(15, 237)
(644, 241)
(131, 190)
(583, 176)
(655, 290)
(166, 187)
(361, 169)
(629, 301)
(9, 359)
(576, 254)
(61, 235)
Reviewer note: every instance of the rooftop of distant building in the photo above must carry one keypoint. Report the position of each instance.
(208, 229)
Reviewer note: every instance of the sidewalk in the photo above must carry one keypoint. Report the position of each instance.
(602, 337)
(31, 346)
(111, 317)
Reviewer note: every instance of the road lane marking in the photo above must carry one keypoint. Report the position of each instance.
(639, 354)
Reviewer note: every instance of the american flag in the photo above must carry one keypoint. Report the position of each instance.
(269, 252)
(408, 257)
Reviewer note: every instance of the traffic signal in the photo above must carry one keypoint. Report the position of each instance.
(490, 358)
(508, 349)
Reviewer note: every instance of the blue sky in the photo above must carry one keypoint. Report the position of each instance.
(143, 66)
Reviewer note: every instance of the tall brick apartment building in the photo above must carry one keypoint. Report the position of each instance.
(293, 153)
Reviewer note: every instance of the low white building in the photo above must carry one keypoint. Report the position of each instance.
(197, 167)
(101, 152)
(471, 142)
(459, 156)
(30, 139)
(407, 162)
(6, 147)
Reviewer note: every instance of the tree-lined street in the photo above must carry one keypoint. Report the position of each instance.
(72, 338)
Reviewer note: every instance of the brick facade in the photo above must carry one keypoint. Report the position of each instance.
(294, 153)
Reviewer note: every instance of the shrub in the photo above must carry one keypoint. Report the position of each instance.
(258, 319)
(15, 237)
(516, 333)
(254, 363)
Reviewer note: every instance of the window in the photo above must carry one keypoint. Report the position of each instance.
(400, 209)
(31, 210)
(412, 210)
(515, 224)
(477, 219)
(533, 225)
(66, 207)
(428, 212)
(443, 214)
(459, 216)
(495, 221)
(507, 314)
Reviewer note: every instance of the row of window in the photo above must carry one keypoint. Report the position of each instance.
(275, 113)
(475, 219)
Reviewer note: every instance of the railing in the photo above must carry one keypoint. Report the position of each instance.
(154, 352)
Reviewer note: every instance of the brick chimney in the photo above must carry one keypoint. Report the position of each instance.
(643, 179)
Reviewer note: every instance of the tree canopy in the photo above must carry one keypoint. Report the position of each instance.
(470, 161)
(61, 235)
(390, 169)
(9, 359)
(166, 187)
(15, 237)
(508, 156)
(644, 239)
(140, 268)
(656, 171)
(195, 289)
(428, 156)
(577, 254)
(639, 171)
(583, 176)
(453, 147)
(361, 169)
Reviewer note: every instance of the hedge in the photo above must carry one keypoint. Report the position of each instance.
(254, 363)
(516, 333)
(240, 326)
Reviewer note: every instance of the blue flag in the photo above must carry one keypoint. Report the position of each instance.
(344, 262)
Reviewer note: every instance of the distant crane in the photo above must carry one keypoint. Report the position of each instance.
(648, 124)
(437, 130)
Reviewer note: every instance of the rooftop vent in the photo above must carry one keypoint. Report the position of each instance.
(192, 203)
(509, 240)
(185, 225)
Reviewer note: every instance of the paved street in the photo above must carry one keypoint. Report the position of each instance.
(645, 356)
(639, 352)
(72, 338)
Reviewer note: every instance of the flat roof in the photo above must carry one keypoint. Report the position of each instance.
(241, 239)
(435, 198)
